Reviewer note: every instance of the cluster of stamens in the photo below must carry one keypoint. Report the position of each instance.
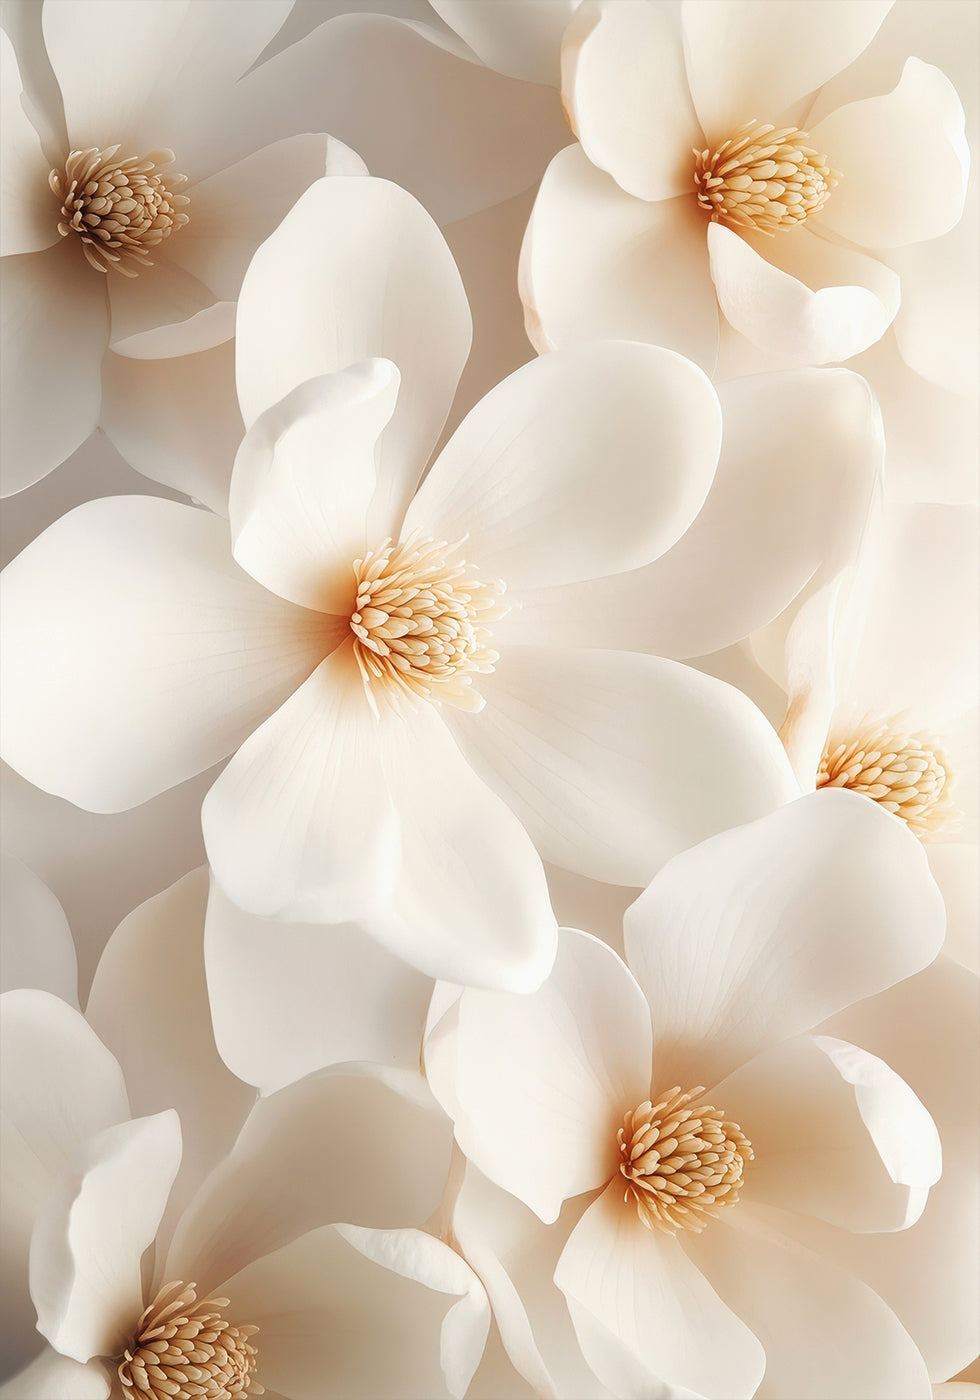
(682, 1162)
(419, 623)
(763, 179)
(121, 209)
(908, 774)
(185, 1350)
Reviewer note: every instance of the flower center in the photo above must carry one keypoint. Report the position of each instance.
(419, 623)
(184, 1349)
(681, 1161)
(120, 208)
(907, 773)
(763, 179)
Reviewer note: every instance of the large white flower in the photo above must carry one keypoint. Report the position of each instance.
(139, 650)
(717, 1112)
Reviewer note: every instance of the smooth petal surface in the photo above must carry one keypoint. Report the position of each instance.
(614, 761)
(521, 40)
(762, 932)
(53, 334)
(52, 1376)
(37, 947)
(956, 869)
(166, 311)
(28, 209)
(289, 999)
(583, 463)
(137, 653)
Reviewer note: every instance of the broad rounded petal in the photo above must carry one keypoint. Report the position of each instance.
(367, 1148)
(300, 824)
(28, 210)
(289, 999)
(751, 59)
(540, 1113)
(639, 1285)
(836, 1134)
(55, 328)
(797, 1304)
(52, 1376)
(91, 1234)
(583, 463)
(804, 300)
(614, 761)
(624, 86)
(598, 264)
(176, 420)
(470, 901)
(37, 947)
(357, 269)
(761, 933)
(903, 160)
(521, 40)
(303, 481)
(137, 653)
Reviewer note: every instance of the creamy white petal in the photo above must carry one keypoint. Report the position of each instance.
(583, 463)
(934, 325)
(37, 947)
(760, 933)
(955, 868)
(521, 40)
(165, 311)
(28, 209)
(137, 653)
(52, 1376)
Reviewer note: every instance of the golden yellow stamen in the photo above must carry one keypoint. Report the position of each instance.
(419, 623)
(906, 773)
(682, 1162)
(184, 1350)
(763, 179)
(121, 209)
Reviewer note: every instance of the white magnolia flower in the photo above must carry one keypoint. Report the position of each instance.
(720, 1115)
(351, 795)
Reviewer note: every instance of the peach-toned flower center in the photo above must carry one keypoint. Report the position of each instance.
(908, 774)
(120, 207)
(763, 179)
(419, 622)
(183, 1349)
(681, 1161)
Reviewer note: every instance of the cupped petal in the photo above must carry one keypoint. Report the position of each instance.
(625, 89)
(803, 299)
(614, 761)
(836, 1134)
(54, 330)
(37, 948)
(762, 932)
(903, 161)
(137, 653)
(751, 59)
(357, 269)
(639, 1286)
(598, 264)
(52, 1376)
(366, 1148)
(303, 482)
(289, 999)
(91, 1234)
(583, 463)
(523, 41)
(28, 209)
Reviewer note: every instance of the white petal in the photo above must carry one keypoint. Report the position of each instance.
(956, 870)
(521, 40)
(138, 653)
(903, 160)
(639, 1286)
(625, 89)
(599, 264)
(934, 325)
(55, 328)
(357, 269)
(303, 481)
(367, 1148)
(288, 999)
(583, 463)
(52, 1376)
(727, 939)
(614, 761)
(166, 311)
(28, 209)
(36, 941)
(90, 1237)
(750, 59)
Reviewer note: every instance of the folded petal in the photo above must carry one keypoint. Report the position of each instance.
(37, 947)
(523, 41)
(728, 939)
(583, 463)
(138, 653)
(614, 761)
(28, 211)
(166, 311)
(598, 264)
(52, 1376)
